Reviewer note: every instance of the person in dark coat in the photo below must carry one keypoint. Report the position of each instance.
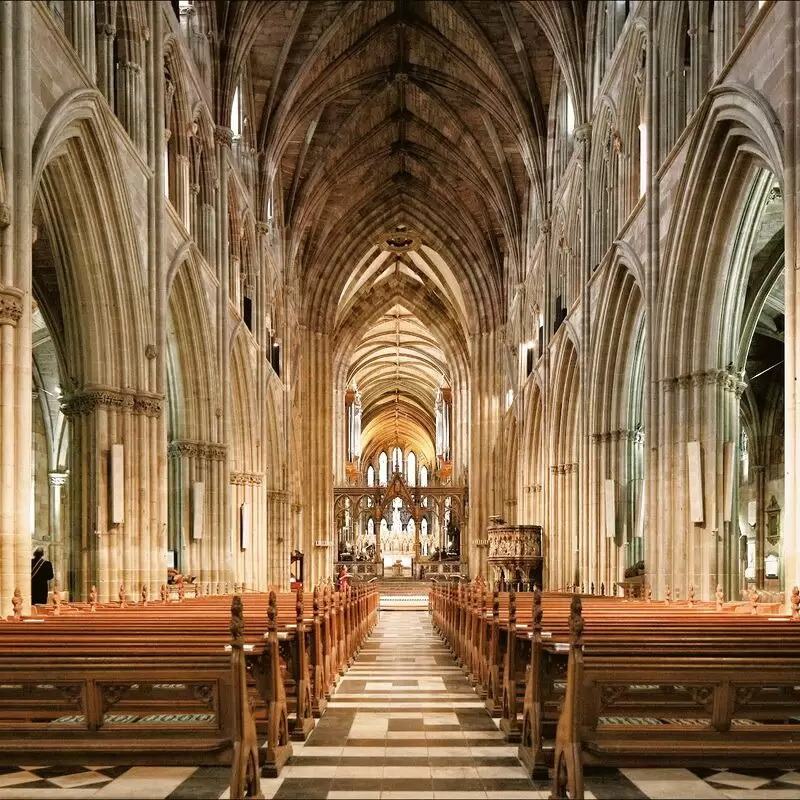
(41, 573)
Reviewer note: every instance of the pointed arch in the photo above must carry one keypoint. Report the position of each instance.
(738, 135)
(80, 192)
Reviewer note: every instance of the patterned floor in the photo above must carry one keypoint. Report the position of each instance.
(403, 724)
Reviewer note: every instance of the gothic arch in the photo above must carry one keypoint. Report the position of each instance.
(560, 554)
(77, 181)
(192, 377)
(737, 134)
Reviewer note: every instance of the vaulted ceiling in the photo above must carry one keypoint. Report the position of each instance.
(373, 117)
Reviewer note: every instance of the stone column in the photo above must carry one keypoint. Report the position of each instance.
(317, 382)
(183, 190)
(16, 241)
(57, 481)
(81, 31)
(223, 138)
(791, 189)
(581, 548)
(761, 505)
(728, 25)
(485, 430)
(106, 32)
(657, 467)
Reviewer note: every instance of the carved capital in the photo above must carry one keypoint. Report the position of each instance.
(10, 305)
(208, 451)
(223, 136)
(5, 215)
(148, 405)
(57, 478)
(246, 478)
(89, 401)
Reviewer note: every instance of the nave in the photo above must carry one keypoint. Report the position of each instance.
(403, 723)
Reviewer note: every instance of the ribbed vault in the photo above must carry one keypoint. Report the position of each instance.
(428, 112)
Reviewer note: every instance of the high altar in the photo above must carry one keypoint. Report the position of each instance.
(390, 530)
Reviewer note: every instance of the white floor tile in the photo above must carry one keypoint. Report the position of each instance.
(145, 783)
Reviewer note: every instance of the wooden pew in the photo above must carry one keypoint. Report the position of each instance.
(147, 639)
(728, 698)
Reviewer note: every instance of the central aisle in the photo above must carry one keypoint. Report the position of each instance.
(404, 723)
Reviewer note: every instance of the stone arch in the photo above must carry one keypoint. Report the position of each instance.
(193, 381)
(616, 420)
(192, 403)
(561, 557)
(77, 183)
(533, 457)
(604, 172)
(738, 132)
(248, 530)
(734, 153)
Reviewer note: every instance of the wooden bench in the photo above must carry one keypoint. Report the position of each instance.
(120, 667)
(729, 697)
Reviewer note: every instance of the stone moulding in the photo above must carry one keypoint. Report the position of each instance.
(209, 451)
(730, 381)
(246, 478)
(89, 401)
(10, 305)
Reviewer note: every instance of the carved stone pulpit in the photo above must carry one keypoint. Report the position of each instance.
(517, 551)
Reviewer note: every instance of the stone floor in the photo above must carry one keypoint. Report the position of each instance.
(402, 724)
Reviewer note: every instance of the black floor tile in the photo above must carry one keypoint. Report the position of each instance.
(302, 788)
(613, 787)
(506, 784)
(205, 782)
(457, 785)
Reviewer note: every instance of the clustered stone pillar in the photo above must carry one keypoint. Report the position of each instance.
(57, 482)
(103, 552)
(580, 560)
(16, 242)
(81, 32)
(317, 380)
(106, 32)
(791, 189)
(279, 541)
(485, 425)
(202, 551)
(223, 137)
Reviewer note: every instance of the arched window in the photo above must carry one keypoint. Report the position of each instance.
(423, 526)
(383, 469)
(370, 475)
(423, 475)
(411, 469)
(236, 113)
(397, 460)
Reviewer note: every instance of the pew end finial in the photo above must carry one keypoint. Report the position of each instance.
(795, 601)
(719, 596)
(576, 621)
(56, 600)
(237, 620)
(537, 610)
(93, 599)
(16, 604)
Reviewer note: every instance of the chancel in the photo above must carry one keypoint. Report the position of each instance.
(399, 398)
